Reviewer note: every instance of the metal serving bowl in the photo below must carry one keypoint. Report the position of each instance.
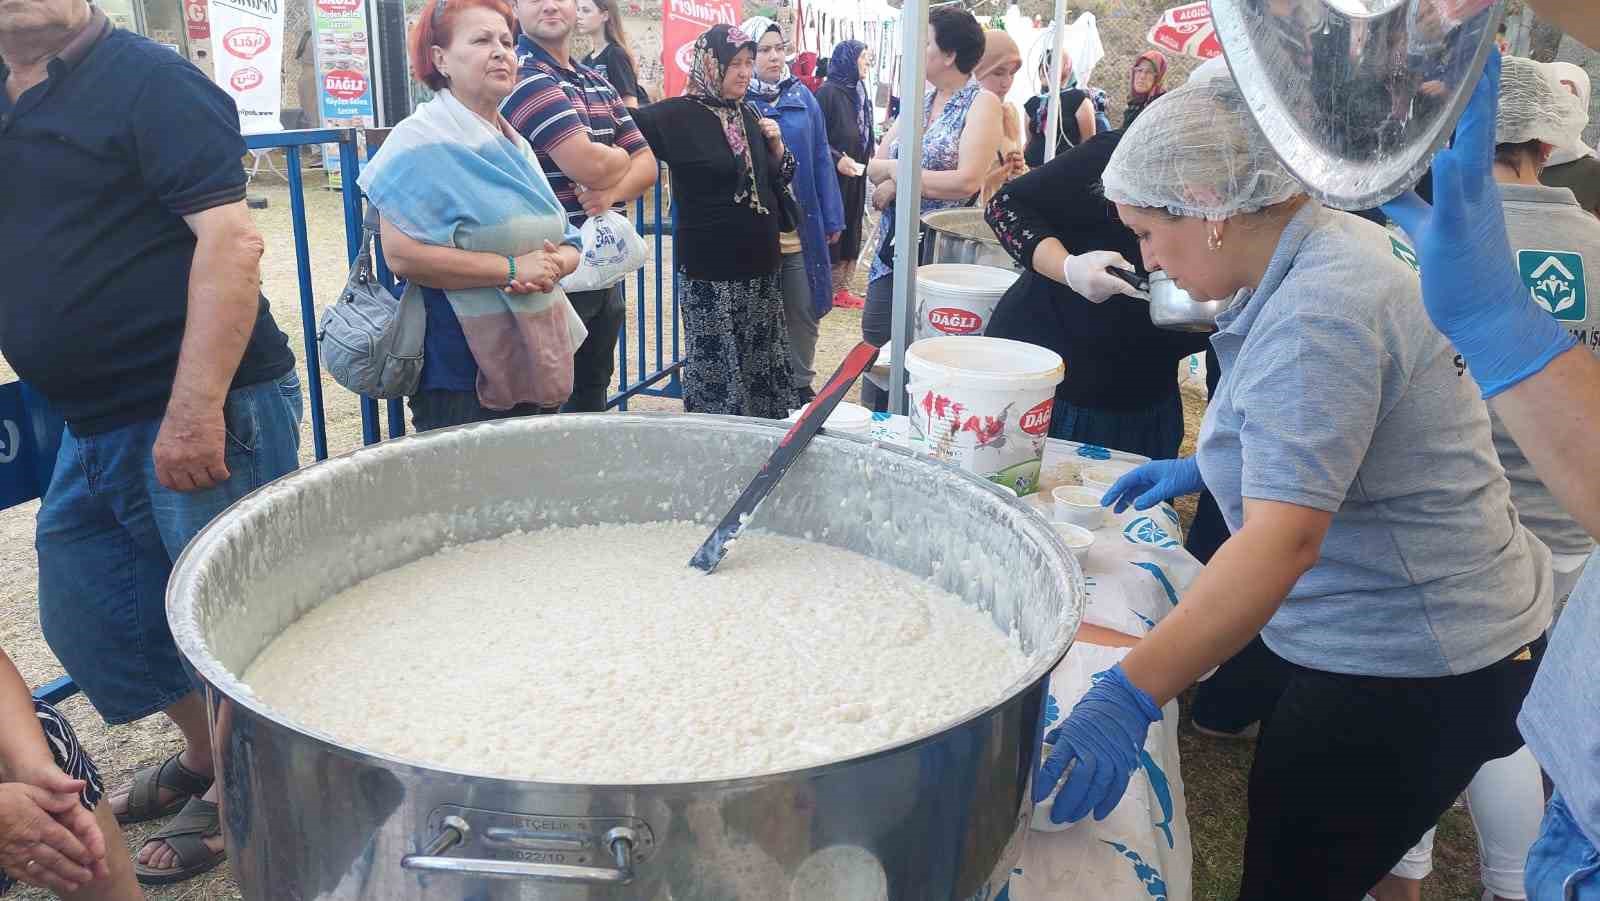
(937, 818)
(1171, 307)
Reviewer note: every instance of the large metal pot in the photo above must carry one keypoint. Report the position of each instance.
(938, 817)
(961, 236)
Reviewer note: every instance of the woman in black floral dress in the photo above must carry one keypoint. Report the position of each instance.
(1121, 389)
(730, 173)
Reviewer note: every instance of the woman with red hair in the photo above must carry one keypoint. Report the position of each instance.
(472, 225)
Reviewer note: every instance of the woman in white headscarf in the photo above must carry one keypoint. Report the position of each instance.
(1573, 165)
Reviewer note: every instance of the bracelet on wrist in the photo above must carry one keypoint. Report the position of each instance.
(511, 270)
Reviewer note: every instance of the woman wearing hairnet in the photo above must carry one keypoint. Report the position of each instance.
(1553, 242)
(1535, 376)
(1374, 546)
(1573, 164)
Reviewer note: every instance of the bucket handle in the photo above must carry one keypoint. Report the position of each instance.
(454, 830)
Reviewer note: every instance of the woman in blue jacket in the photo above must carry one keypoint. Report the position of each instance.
(806, 274)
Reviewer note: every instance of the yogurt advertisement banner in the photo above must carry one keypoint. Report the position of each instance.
(1187, 29)
(342, 63)
(343, 70)
(249, 58)
(685, 21)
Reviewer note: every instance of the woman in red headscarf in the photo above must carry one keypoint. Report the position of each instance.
(1148, 72)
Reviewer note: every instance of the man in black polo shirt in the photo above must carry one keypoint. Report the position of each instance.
(594, 156)
(130, 300)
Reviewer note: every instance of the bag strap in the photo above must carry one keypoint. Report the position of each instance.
(362, 268)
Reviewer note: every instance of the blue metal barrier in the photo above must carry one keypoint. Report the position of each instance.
(665, 370)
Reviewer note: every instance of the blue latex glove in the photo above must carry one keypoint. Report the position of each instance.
(1104, 733)
(1154, 482)
(1470, 284)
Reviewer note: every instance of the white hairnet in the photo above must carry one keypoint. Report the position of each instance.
(1573, 80)
(1535, 108)
(1198, 152)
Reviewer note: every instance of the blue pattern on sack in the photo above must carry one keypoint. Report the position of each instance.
(1148, 622)
(1148, 876)
(1163, 792)
(881, 417)
(1094, 452)
(1052, 709)
(1144, 530)
(1161, 577)
(1170, 513)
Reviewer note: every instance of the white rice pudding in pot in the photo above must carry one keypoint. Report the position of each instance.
(597, 655)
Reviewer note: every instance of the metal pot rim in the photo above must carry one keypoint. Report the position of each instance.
(187, 635)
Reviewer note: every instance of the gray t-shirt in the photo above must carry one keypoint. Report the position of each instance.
(1338, 394)
(1557, 246)
(1559, 718)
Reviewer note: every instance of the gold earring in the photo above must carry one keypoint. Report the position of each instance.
(1214, 241)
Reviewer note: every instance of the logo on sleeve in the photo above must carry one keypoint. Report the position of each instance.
(1404, 254)
(1555, 281)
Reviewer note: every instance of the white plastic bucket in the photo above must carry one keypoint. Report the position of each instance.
(958, 298)
(846, 417)
(984, 404)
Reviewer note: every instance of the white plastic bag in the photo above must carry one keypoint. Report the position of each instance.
(612, 251)
(1143, 850)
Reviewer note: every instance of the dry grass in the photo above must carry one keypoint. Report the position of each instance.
(1215, 773)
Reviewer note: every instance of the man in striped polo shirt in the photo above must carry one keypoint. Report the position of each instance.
(594, 156)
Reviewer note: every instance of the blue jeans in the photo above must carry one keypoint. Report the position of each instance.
(108, 533)
(1562, 864)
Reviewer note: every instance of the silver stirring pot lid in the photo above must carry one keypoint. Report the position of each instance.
(1356, 95)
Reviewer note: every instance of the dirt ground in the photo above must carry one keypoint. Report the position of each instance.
(1215, 773)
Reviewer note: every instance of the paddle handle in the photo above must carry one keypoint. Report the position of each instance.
(794, 441)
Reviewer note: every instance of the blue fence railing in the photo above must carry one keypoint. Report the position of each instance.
(644, 366)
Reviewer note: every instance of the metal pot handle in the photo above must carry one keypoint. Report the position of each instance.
(454, 830)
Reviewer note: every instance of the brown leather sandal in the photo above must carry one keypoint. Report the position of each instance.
(145, 791)
(186, 836)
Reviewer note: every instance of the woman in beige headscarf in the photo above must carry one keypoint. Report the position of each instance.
(995, 71)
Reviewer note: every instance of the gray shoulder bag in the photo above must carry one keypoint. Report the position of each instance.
(369, 341)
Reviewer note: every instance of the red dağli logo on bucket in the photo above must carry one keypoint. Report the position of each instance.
(338, 6)
(345, 84)
(1037, 420)
(246, 78)
(248, 42)
(953, 321)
